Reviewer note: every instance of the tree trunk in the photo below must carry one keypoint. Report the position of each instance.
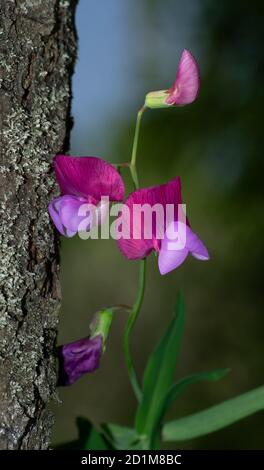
(37, 56)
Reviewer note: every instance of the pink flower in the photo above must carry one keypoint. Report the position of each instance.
(82, 180)
(154, 220)
(185, 88)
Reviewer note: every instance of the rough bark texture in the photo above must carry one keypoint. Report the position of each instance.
(37, 54)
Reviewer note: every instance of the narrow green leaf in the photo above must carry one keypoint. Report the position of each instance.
(158, 376)
(216, 417)
(178, 389)
(120, 437)
(89, 437)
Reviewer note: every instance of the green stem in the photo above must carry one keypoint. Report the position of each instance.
(142, 275)
(133, 172)
(135, 142)
(134, 149)
(129, 326)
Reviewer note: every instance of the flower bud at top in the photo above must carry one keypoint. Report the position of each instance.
(157, 99)
(185, 88)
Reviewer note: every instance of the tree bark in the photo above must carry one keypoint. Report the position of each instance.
(38, 48)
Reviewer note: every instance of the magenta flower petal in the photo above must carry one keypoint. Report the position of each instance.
(139, 246)
(195, 246)
(186, 87)
(88, 177)
(175, 250)
(78, 358)
(54, 211)
(135, 249)
(170, 260)
(173, 247)
(69, 210)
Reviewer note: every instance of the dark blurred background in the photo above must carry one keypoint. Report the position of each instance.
(127, 48)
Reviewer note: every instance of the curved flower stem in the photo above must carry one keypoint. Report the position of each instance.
(142, 275)
(134, 149)
(129, 326)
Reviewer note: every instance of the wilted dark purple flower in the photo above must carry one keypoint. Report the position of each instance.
(79, 358)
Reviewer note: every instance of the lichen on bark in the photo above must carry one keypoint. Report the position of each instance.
(38, 48)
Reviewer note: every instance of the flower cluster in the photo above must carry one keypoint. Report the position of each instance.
(84, 183)
(85, 180)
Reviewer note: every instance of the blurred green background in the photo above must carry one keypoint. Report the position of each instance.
(127, 48)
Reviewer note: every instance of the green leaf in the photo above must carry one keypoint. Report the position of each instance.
(216, 417)
(158, 376)
(178, 389)
(120, 437)
(89, 437)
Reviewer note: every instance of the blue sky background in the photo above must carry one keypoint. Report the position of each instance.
(121, 57)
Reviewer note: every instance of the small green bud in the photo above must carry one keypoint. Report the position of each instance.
(157, 99)
(101, 324)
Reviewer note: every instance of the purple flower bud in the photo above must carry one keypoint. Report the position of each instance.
(78, 358)
(185, 88)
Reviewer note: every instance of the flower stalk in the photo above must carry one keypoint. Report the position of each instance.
(129, 327)
(133, 161)
(142, 276)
